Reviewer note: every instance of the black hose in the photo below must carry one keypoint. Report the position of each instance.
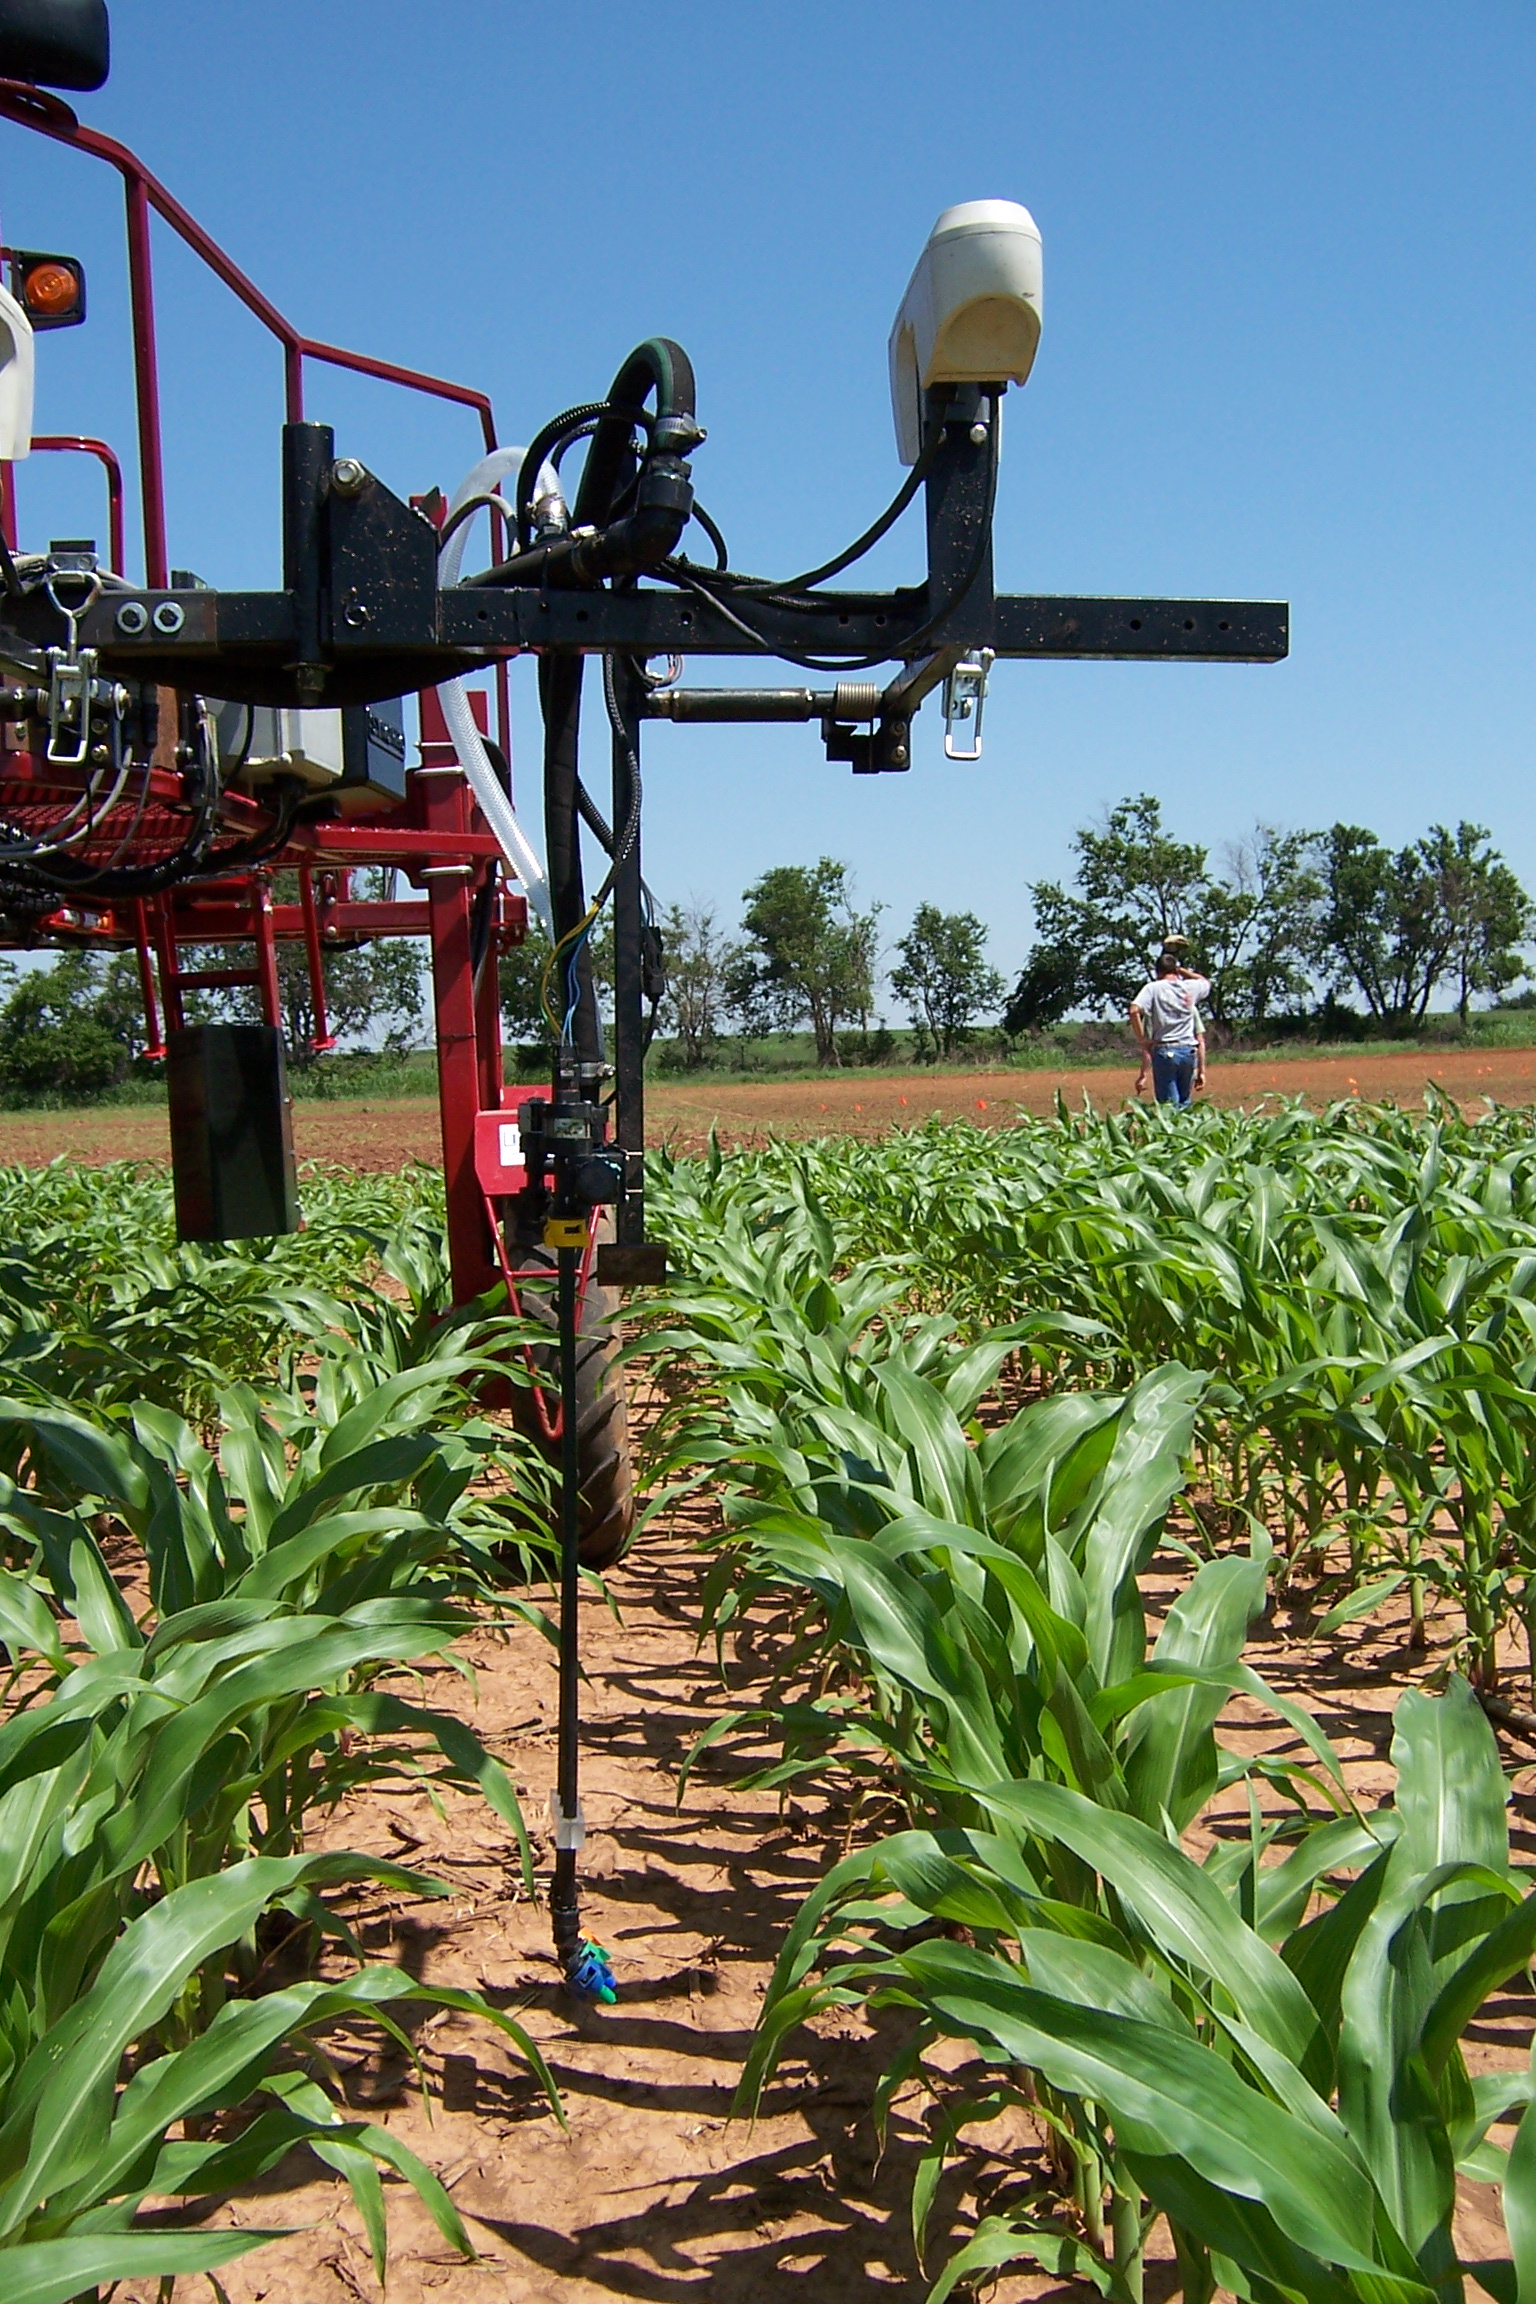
(722, 549)
(657, 365)
(560, 680)
(560, 433)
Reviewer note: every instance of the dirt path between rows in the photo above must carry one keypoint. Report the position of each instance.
(383, 1133)
(654, 2193)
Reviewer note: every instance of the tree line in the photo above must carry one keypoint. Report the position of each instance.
(1288, 916)
(806, 957)
(1287, 924)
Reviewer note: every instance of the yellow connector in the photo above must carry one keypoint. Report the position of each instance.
(565, 1231)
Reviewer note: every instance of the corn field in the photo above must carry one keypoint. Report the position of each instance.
(953, 1394)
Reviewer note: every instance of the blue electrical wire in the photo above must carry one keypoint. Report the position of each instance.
(573, 985)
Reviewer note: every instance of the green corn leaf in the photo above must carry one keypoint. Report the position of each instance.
(57, 2107)
(54, 2271)
(1363, 1601)
(1171, 2096)
(100, 1609)
(1000, 2240)
(1171, 1768)
(26, 1620)
(1450, 1786)
(1182, 1910)
(1519, 2201)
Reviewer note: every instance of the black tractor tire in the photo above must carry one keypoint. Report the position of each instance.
(602, 1421)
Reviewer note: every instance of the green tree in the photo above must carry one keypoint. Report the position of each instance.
(1135, 885)
(699, 963)
(1397, 924)
(1252, 930)
(1487, 911)
(944, 977)
(70, 1030)
(809, 955)
(1052, 981)
(1258, 926)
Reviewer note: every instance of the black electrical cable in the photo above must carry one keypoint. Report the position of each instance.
(696, 581)
(562, 448)
(486, 498)
(128, 838)
(13, 583)
(631, 831)
(262, 846)
(483, 910)
(65, 876)
(793, 587)
(722, 549)
(872, 535)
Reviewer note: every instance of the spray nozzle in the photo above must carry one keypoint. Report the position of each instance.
(589, 1975)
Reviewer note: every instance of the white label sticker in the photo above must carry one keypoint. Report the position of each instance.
(511, 1135)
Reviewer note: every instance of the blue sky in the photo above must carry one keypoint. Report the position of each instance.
(1289, 345)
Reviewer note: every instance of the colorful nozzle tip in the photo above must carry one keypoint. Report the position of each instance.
(589, 1975)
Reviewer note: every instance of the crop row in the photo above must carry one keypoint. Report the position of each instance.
(238, 1490)
(1247, 2021)
(1359, 1286)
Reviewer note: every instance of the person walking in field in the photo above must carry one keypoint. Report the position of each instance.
(1165, 1017)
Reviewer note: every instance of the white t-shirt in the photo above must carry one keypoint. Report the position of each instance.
(1167, 1004)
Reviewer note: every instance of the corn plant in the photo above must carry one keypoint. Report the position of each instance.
(89, 2104)
(1289, 2091)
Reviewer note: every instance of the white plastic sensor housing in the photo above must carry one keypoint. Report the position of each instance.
(15, 379)
(971, 313)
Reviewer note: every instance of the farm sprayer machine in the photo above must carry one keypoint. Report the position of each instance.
(167, 749)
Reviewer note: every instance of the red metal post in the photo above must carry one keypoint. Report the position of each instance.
(146, 377)
(155, 1048)
(324, 1038)
(76, 443)
(34, 108)
(442, 802)
(170, 966)
(266, 950)
(293, 381)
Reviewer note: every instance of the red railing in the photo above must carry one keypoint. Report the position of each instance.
(76, 443)
(144, 193)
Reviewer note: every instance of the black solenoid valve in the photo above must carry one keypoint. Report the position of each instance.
(564, 1148)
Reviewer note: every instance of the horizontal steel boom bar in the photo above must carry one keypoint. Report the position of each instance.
(241, 644)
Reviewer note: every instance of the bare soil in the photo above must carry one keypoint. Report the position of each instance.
(383, 1133)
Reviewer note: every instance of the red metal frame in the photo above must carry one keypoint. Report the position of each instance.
(144, 194)
(436, 836)
(77, 444)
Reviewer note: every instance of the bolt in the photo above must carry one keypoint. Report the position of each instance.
(169, 618)
(132, 619)
(899, 755)
(978, 433)
(348, 476)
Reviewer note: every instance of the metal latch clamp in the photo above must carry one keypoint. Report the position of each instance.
(965, 695)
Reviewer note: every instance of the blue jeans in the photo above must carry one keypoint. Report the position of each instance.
(1173, 1075)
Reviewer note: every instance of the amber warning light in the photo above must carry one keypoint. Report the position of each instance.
(49, 289)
